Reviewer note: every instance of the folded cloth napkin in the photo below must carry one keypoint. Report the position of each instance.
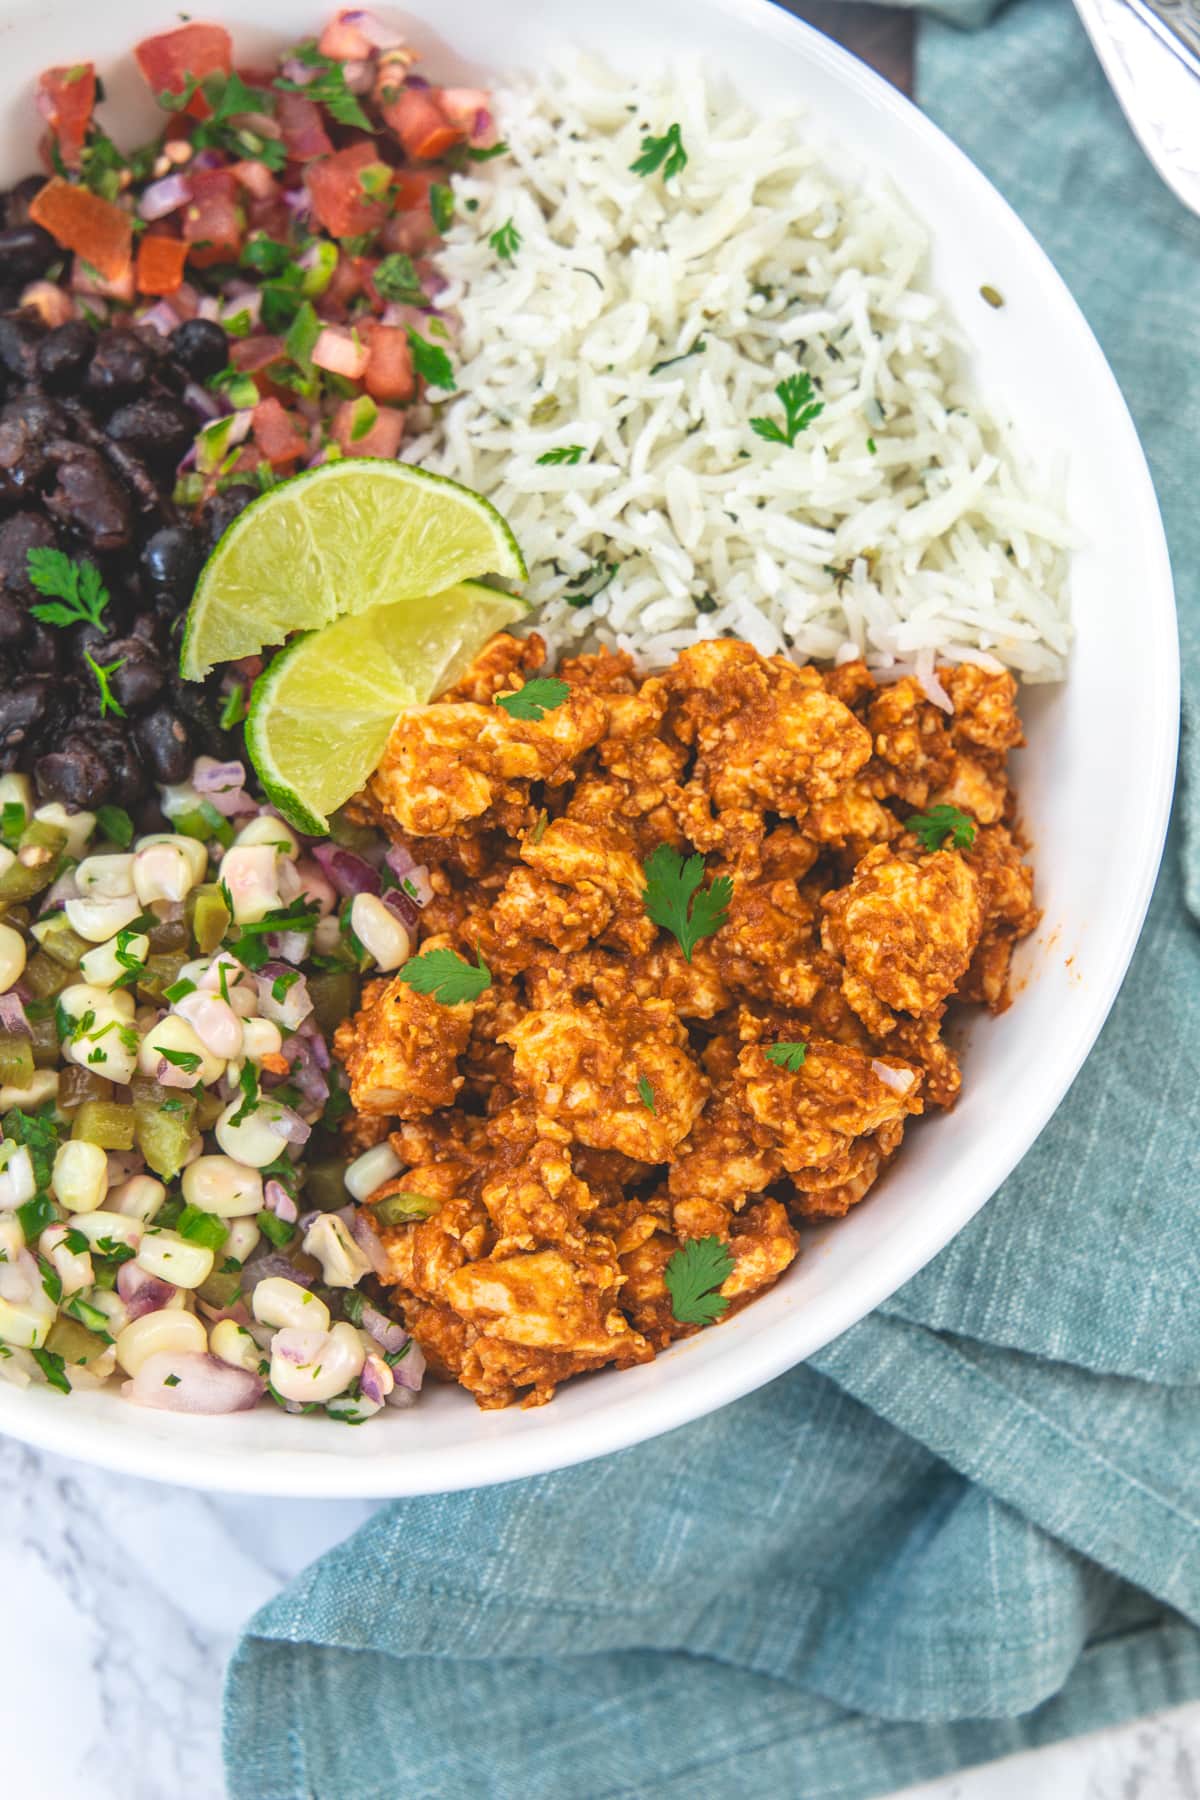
(971, 1524)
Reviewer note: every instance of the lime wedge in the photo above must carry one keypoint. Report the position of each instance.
(322, 711)
(343, 538)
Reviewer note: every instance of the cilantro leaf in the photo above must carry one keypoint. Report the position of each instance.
(431, 364)
(795, 394)
(535, 699)
(77, 584)
(476, 155)
(566, 453)
(942, 822)
(328, 87)
(646, 1094)
(506, 241)
(666, 153)
(693, 1276)
(445, 975)
(102, 671)
(786, 1056)
(187, 1060)
(396, 278)
(670, 885)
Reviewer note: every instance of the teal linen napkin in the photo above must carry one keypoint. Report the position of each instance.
(970, 1525)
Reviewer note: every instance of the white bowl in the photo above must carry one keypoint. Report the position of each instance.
(1095, 798)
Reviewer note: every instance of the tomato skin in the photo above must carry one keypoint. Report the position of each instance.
(278, 434)
(338, 199)
(420, 124)
(304, 134)
(168, 59)
(65, 100)
(389, 373)
(213, 221)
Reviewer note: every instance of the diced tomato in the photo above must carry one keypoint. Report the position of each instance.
(251, 354)
(344, 40)
(338, 198)
(420, 124)
(81, 221)
(213, 222)
(383, 439)
(160, 263)
(411, 228)
(467, 108)
(279, 436)
(85, 279)
(345, 284)
(65, 100)
(389, 373)
(304, 134)
(168, 59)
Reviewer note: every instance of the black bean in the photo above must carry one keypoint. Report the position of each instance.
(165, 744)
(23, 532)
(63, 355)
(26, 252)
(14, 621)
(201, 346)
(117, 748)
(20, 336)
(77, 775)
(220, 512)
(120, 368)
(43, 645)
(23, 707)
(89, 499)
(158, 430)
(18, 198)
(138, 682)
(170, 563)
(27, 426)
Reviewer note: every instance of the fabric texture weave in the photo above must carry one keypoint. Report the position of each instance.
(970, 1525)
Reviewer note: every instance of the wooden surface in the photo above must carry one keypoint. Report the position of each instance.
(882, 35)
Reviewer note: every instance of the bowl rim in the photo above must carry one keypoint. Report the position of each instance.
(615, 1424)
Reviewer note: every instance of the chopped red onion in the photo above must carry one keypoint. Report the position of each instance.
(208, 307)
(206, 405)
(298, 201)
(244, 303)
(377, 34)
(359, 76)
(170, 1075)
(414, 876)
(311, 1031)
(161, 317)
(899, 1080)
(364, 1236)
(208, 159)
(385, 1331)
(165, 196)
(19, 1279)
(409, 1372)
(12, 1016)
(277, 1200)
(141, 1291)
(222, 785)
(370, 1383)
(296, 1004)
(292, 69)
(292, 946)
(202, 1384)
(416, 81)
(287, 1124)
(403, 908)
(267, 1262)
(349, 873)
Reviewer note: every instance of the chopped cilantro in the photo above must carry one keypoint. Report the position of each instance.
(666, 153)
(795, 394)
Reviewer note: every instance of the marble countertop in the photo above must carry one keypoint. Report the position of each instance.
(132, 1595)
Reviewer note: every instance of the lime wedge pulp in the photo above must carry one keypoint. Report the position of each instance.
(322, 711)
(340, 539)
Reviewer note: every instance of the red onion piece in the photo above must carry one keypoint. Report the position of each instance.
(404, 909)
(416, 81)
(204, 404)
(243, 303)
(291, 946)
(349, 873)
(310, 1031)
(400, 861)
(409, 1372)
(292, 69)
(202, 1384)
(364, 1236)
(280, 1202)
(208, 159)
(359, 76)
(208, 307)
(295, 1005)
(289, 1126)
(19, 1280)
(141, 1291)
(222, 784)
(370, 1383)
(377, 34)
(899, 1080)
(170, 1075)
(162, 317)
(385, 1331)
(267, 1262)
(165, 196)
(12, 1016)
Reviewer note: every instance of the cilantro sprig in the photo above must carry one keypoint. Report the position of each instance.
(941, 822)
(506, 241)
(795, 395)
(327, 87)
(102, 672)
(565, 453)
(445, 976)
(666, 153)
(786, 1056)
(693, 1276)
(535, 699)
(431, 363)
(675, 899)
(77, 585)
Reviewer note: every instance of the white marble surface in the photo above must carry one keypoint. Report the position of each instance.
(122, 1601)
